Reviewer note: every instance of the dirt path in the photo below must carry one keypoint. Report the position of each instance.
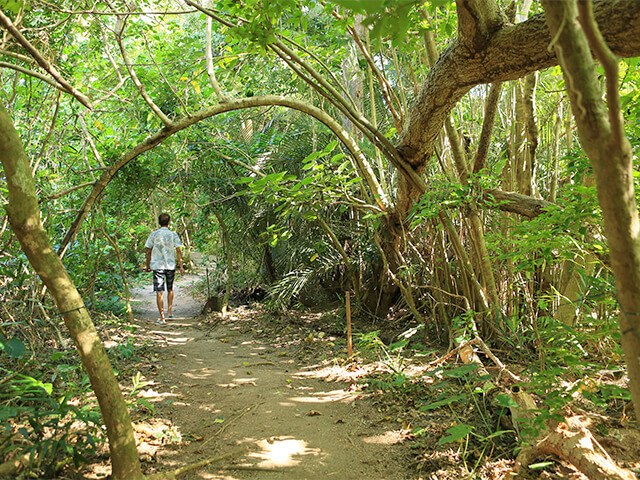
(219, 388)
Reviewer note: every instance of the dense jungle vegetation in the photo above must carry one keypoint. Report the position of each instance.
(465, 170)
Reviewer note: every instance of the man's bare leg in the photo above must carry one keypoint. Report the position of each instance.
(170, 303)
(160, 305)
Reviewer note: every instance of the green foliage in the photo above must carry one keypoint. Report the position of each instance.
(444, 193)
(304, 203)
(133, 399)
(13, 347)
(456, 433)
(281, 293)
(113, 304)
(124, 350)
(327, 179)
(460, 393)
(394, 18)
(559, 232)
(570, 368)
(12, 6)
(48, 422)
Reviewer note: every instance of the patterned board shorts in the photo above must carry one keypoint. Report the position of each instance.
(162, 276)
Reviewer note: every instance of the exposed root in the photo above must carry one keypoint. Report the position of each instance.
(194, 466)
(573, 442)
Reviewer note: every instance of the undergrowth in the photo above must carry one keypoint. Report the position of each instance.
(48, 412)
(459, 414)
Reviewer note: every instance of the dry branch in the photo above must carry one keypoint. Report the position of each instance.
(33, 51)
(194, 466)
(513, 202)
(573, 442)
(237, 417)
(252, 469)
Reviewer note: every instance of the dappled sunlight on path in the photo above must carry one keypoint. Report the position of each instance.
(281, 452)
(222, 389)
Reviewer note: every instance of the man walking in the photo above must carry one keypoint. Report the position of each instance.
(163, 247)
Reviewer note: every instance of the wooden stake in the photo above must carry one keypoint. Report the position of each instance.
(349, 339)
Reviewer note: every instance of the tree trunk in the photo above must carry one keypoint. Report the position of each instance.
(602, 136)
(226, 241)
(553, 186)
(24, 216)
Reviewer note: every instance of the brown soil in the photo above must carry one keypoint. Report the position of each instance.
(227, 387)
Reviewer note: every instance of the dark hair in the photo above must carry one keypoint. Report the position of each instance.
(163, 219)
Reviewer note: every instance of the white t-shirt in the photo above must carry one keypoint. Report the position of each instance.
(163, 244)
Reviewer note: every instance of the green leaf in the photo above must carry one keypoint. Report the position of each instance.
(398, 345)
(13, 6)
(460, 371)
(497, 434)
(30, 382)
(244, 180)
(55, 356)
(330, 146)
(446, 401)
(456, 433)
(307, 180)
(540, 465)
(64, 368)
(13, 347)
(505, 401)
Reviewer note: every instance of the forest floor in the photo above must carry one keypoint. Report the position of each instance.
(273, 396)
(271, 408)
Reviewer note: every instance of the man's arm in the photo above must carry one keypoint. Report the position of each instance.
(179, 258)
(148, 265)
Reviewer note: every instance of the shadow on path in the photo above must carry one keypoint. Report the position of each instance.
(227, 391)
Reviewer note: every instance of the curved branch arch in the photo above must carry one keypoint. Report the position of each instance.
(152, 141)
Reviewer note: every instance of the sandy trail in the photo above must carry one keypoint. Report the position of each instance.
(226, 387)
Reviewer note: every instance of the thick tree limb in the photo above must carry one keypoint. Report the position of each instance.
(513, 202)
(478, 20)
(512, 52)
